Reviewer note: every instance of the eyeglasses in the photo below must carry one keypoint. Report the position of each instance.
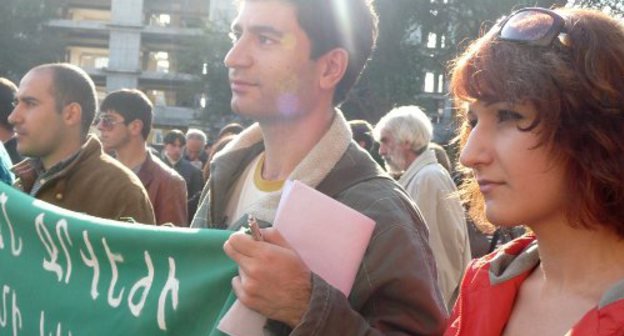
(533, 26)
(107, 123)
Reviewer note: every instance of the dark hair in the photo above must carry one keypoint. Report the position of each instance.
(7, 96)
(362, 131)
(173, 135)
(347, 24)
(232, 128)
(71, 84)
(133, 105)
(576, 88)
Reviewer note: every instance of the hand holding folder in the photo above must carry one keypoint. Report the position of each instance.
(330, 237)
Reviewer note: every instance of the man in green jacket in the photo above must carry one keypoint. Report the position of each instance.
(55, 106)
(290, 64)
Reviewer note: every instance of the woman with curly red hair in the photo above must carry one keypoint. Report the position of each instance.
(542, 100)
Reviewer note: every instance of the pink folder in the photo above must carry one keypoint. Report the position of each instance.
(330, 237)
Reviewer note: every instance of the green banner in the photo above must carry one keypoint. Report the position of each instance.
(66, 273)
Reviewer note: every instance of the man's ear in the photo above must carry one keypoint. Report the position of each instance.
(333, 67)
(406, 146)
(135, 127)
(72, 114)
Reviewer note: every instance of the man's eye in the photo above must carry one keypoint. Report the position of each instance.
(233, 36)
(265, 40)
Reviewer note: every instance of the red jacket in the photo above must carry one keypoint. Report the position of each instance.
(490, 286)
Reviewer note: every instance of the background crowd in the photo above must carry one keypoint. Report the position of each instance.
(542, 111)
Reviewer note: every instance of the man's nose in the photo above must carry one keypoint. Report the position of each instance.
(238, 56)
(99, 126)
(382, 149)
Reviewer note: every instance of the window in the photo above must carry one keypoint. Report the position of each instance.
(88, 58)
(440, 83)
(434, 83)
(101, 62)
(429, 82)
(159, 62)
(431, 40)
(162, 20)
(158, 97)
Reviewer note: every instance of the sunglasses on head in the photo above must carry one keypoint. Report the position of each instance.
(533, 26)
(106, 122)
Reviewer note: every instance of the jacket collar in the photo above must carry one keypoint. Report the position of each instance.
(26, 170)
(146, 173)
(491, 284)
(425, 158)
(521, 256)
(312, 170)
(514, 260)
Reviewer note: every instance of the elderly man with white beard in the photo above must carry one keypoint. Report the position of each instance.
(404, 135)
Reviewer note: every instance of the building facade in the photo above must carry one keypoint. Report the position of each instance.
(134, 43)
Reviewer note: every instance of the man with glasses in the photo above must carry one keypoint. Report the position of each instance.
(55, 106)
(124, 124)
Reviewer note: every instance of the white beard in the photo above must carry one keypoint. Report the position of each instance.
(394, 163)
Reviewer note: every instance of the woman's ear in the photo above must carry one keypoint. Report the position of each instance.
(333, 67)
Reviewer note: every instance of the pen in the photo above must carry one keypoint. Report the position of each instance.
(254, 228)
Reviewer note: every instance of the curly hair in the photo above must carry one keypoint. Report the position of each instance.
(576, 85)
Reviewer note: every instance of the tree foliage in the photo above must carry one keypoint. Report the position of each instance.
(395, 75)
(205, 56)
(615, 7)
(25, 41)
(392, 76)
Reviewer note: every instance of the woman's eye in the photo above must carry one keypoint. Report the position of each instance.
(508, 115)
(472, 122)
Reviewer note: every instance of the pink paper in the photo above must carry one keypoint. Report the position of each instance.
(330, 237)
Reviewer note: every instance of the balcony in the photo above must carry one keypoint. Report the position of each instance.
(173, 116)
(153, 76)
(82, 26)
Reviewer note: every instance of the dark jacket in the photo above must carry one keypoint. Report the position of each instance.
(11, 148)
(194, 182)
(202, 157)
(166, 190)
(395, 290)
(93, 183)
